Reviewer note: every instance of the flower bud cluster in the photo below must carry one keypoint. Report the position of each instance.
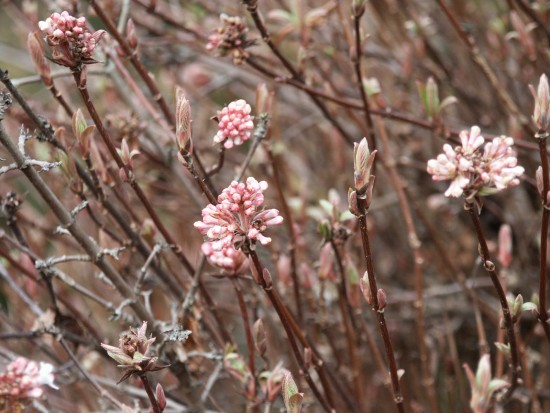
(235, 220)
(23, 379)
(70, 39)
(234, 124)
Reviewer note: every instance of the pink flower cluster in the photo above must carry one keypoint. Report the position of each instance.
(234, 220)
(230, 38)
(24, 378)
(70, 39)
(234, 124)
(474, 172)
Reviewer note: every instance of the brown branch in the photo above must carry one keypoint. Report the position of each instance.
(542, 137)
(492, 272)
(382, 326)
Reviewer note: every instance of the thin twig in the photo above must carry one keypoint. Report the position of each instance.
(249, 339)
(418, 260)
(150, 393)
(356, 58)
(382, 326)
(542, 137)
(287, 325)
(492, 272)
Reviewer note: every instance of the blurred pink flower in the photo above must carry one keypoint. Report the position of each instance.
(228, 259)
(70, 39)
(473, 172)
(24, 378)
(234, 124)
(236, 219)
(230, 39)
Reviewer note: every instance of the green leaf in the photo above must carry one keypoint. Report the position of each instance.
(293, 399)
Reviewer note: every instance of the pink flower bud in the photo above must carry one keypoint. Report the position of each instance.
(541, 114)
(540, 181)
(125, 153)
(183, 122)
(382, 299)
(505, 243)
(361, 173)
(161, 398)
(283, 269)
(352, 202)
(365, 288)
(326, 262)
(131, 35)
(267, 279)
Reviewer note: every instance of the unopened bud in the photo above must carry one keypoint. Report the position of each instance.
(125, 153)
(365, 288)
(352, 202)
(161, 397)
(292, 398)
(429, 94)
(131, 35)
(267, 279)
(37, 54)
(183, 122)
(541, 114)
(83, 133)
(432, 98)
(370, 188)
(361, 171)
(326, 262)
(540, 181)
(382, 300)
(505, 243)
(123, 175)
(517, 306)
(260, 339)
(148, 230)
(284, 269)
(79, 123)
(83, 77)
